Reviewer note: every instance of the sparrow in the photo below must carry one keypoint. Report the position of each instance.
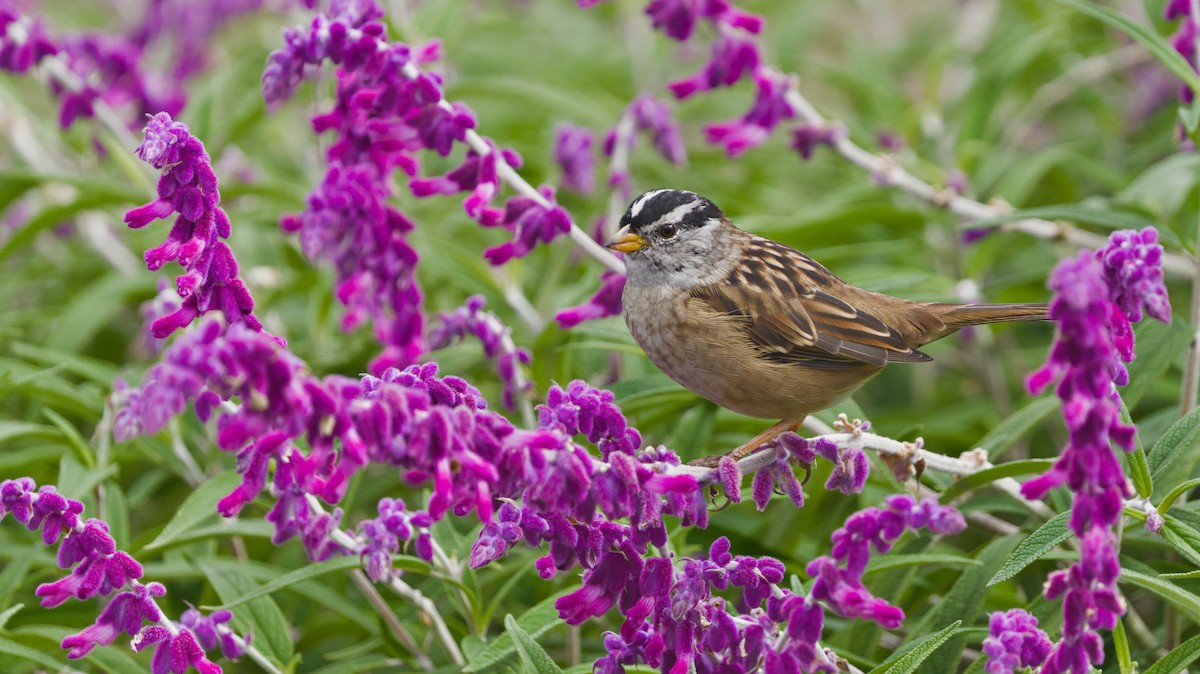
(758, 327)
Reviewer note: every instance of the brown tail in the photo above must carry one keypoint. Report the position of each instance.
(962, 315)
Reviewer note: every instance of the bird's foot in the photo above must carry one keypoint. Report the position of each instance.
(750, 447)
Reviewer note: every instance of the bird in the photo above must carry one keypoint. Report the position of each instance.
(761, 328)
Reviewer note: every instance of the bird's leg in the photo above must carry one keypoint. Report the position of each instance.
(748, 448)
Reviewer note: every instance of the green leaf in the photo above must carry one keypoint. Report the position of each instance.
(1153, 42)
(1183, 538)
(1016, 425)
(1182, 599)
(1139, 468)
(8, 613)
(51, 216)
(315, 569)
(1121, 645)
(1012, 468)
(24, 652)
(895, 561)
(1174, 494)
(1180, 657)
(200, 506)
(908, 662)
(75, 441)
(1176, 448)
(1102, 217)
(1038, 543)
(24, 430)
(98, 372)
(533, 656)
(535, 622)
(1159, 345)
(260, 616)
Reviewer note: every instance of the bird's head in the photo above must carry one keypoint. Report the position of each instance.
(672, 237)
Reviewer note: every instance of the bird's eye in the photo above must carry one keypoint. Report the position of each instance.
(668, 231)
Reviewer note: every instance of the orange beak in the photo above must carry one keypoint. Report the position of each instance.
(625, 241)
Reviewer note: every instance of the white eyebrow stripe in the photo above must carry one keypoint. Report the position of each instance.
(676, 214)
(636, 207)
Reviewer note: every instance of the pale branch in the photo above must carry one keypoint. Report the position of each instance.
(888, 171)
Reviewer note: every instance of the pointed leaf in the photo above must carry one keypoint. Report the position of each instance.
(1176, 448)
(1016, 425)
(1031, 549)
(1182, 599)
(1011, 469)
(532, 654)
(261, 617)
(199, 507)
(536, 621)
(909, 661)
(1180, 657)
(1183, 538)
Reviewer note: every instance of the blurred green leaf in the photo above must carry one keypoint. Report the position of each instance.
(1174, 494)
(1153, 42)
(1121, 645)
(28, 654)
(989, 475)
(1016, 425)
(200, 506)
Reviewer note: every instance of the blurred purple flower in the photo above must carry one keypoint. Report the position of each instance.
(677, 18)
(496, 338)
(733, 57)
(807, 137)
(606, 302)
(188, 187)
(654, 117)
(477, 174)
(769, 109)
(23, 40)
(573, 153)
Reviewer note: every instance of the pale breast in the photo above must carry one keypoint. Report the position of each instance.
(712, 355)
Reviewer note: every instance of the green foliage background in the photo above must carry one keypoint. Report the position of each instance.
(1005, 97)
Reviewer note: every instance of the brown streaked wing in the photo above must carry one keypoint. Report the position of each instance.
(796, 320)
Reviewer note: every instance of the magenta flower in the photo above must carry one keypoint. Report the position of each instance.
(177, 651)
(496, 339)
(769, 110)
(1095, 297)
(733, 57)
(807, 137)
(606, 302)
(573, 154)
(1014, 641)
(188, 187)
(531, 223)
(23, 41)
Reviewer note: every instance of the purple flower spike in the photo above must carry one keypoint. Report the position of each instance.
(212, 630)
(654, 117)
(1133, 271)
(1014, 641)
(606, 302)
(777, 475)
(573, 153)
(496, 338)
(189, 187)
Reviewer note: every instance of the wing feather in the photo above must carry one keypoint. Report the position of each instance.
(799, 320)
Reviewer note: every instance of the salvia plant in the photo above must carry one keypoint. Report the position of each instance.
(366, 403)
